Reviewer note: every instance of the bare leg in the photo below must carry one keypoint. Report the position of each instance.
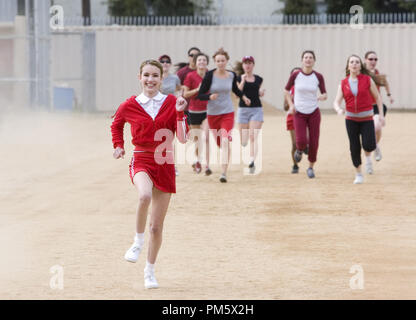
(159, 208)
(225, 154)
(244, 133)
(205, 129)
(196, 138)
(144, 187)
(255, 127)
(293, 138)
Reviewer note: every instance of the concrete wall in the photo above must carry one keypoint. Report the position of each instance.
(276, 48)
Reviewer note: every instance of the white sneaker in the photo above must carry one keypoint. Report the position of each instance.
(150, 281)
(377, 154)
(176, 171)
(133, 253)
(359, 179)
(369, 167)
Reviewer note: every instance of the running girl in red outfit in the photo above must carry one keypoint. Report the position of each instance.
(291, 127)
(359, 90)
(154, 118)
(216, 88)
(198, 110)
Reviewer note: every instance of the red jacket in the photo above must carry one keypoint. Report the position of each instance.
(143, 127)
(360, 107)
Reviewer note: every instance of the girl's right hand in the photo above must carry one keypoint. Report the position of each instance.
(213, 96)
(340, 112)
(119, 153)
(291, 110)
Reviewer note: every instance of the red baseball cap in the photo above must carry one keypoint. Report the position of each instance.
(164, 56)
(247, 58)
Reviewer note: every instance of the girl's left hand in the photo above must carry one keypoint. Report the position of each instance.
(181, 103)
(321, 98)
(382, 121)
(262, 92)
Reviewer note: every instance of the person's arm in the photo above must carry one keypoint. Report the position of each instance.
(289, 85)
(238, 92)
(117, 131)
(285, 104)
(240, 84)
(204, 87)
(388, 91)
(338, 101)
(262, 91)
(187, 92)
(288, 98)
(377, 97)
(323, 96)
(181, 123)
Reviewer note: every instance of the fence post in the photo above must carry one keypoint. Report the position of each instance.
(88, 71)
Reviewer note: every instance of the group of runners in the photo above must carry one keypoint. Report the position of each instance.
(198, 98)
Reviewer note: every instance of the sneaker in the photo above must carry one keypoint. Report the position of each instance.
(377, 154)
(133, 253)
(310, 173)
(208, 172)
(359, 179)
(198, 167)
(223, 178)
(369, 167)
(150, 281)
(295, 168)
(251, 167)
(176, 171)
(298, 155)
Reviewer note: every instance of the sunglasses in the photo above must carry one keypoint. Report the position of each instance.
(373, 59)
(164, 61)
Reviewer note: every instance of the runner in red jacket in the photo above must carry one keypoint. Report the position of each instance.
(358, 91)
(154, 118)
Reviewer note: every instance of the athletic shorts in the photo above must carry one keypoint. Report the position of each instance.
(245, 115)
(196, 118)
(289, 122)
(222, 125)
(186, 112)
(375, 108)
(162, 175)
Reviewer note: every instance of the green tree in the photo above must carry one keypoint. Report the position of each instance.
(298, 7)
(158, 7)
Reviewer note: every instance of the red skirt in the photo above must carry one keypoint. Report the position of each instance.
(223, 123)
(160, 170)
(289, 122)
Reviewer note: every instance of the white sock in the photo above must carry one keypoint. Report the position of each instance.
(149, 267)
(358, 174)
(139, 237)
(368, 159)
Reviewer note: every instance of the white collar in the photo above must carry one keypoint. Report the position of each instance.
(142, 98)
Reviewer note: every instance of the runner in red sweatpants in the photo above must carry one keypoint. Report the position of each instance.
(307, 117)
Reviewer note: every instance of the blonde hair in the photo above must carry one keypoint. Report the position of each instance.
(151, 62)
(222, 52)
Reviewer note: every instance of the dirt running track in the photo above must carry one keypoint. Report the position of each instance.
(65, 201)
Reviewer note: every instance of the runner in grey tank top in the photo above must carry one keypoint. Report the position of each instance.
(223, 103)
